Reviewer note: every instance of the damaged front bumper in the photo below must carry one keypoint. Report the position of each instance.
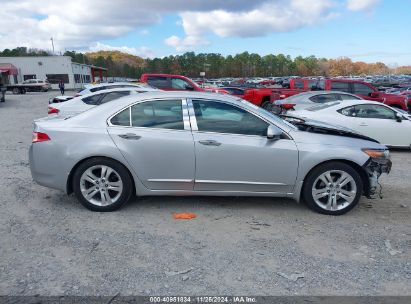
(374, 167)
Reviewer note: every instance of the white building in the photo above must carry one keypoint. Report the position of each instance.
(52, 68)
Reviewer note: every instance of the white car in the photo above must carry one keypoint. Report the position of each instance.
(85, 102)
(308, 99)
(114, 85)
(373, 119)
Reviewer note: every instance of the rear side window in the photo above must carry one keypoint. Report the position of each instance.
(113, 95)
(340, 86)
(122, 118)
(299, 84)
(158, 82)
(164, 114)
(92, 100)
(323, 98)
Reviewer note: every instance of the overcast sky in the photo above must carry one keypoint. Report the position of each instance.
(366, 30)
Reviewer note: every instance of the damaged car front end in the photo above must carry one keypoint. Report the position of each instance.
(378, 163)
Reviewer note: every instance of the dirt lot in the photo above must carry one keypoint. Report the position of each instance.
(51, 245)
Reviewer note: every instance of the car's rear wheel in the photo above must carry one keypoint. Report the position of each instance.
(102, 184)
(333, 188)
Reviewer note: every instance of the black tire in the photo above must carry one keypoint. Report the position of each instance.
(317, 172)
(16, 91)
(124, 174)
(23, 91)
(266, 105)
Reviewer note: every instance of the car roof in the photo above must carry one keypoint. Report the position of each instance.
(105, 84)
(99, 113)
(141, 89)
(313, 93)
(341, 104)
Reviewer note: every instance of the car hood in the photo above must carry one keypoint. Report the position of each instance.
(316, 126)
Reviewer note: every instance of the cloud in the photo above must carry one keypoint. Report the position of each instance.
(77, 24)
(80, 24)
(186, 44)
(143, 51)
(272, 16)
(362, 5)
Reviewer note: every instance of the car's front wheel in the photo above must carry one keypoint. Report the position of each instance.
(333, 188)
(102, 184)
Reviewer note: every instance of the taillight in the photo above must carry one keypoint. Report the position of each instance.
(53, 110)
(288, 106)
(39, 137)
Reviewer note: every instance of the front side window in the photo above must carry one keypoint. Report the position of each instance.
(374, 111)
(368, 111)
(362, 89)
(113, 95)
(340, 86)
(220, 117)
(164, 114)
(348, 111)
(179, 84)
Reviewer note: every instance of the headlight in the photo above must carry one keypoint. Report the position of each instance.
(377, 153)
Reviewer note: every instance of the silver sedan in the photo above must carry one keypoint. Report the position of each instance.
(190, 143)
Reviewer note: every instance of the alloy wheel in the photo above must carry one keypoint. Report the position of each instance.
(101, 185)
(334, 190)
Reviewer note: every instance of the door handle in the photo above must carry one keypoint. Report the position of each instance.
(130, 136)
(363, 124)
(210, 143)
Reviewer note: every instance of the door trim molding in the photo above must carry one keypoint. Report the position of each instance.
(204, 181)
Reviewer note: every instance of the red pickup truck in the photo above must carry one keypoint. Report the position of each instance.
(168, 82)
(360, 88)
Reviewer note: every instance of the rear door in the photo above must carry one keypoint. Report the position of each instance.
(155, 138)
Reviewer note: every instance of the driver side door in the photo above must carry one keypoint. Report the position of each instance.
(233, 152)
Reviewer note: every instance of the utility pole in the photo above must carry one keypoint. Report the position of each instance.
(52, 43)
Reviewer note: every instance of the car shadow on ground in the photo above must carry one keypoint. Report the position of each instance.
(192, 203)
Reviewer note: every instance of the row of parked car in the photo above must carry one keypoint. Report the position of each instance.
(168, 136)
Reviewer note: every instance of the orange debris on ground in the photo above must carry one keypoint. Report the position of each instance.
(184, 216)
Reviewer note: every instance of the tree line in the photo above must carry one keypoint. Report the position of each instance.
(216, 65)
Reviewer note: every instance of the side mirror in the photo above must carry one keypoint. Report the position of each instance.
(273, 132)
(398, 117)
(374, 94)
(189, 88)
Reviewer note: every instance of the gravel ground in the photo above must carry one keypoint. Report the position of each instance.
(51, 245)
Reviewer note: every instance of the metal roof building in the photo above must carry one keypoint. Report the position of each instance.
(53, 68)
